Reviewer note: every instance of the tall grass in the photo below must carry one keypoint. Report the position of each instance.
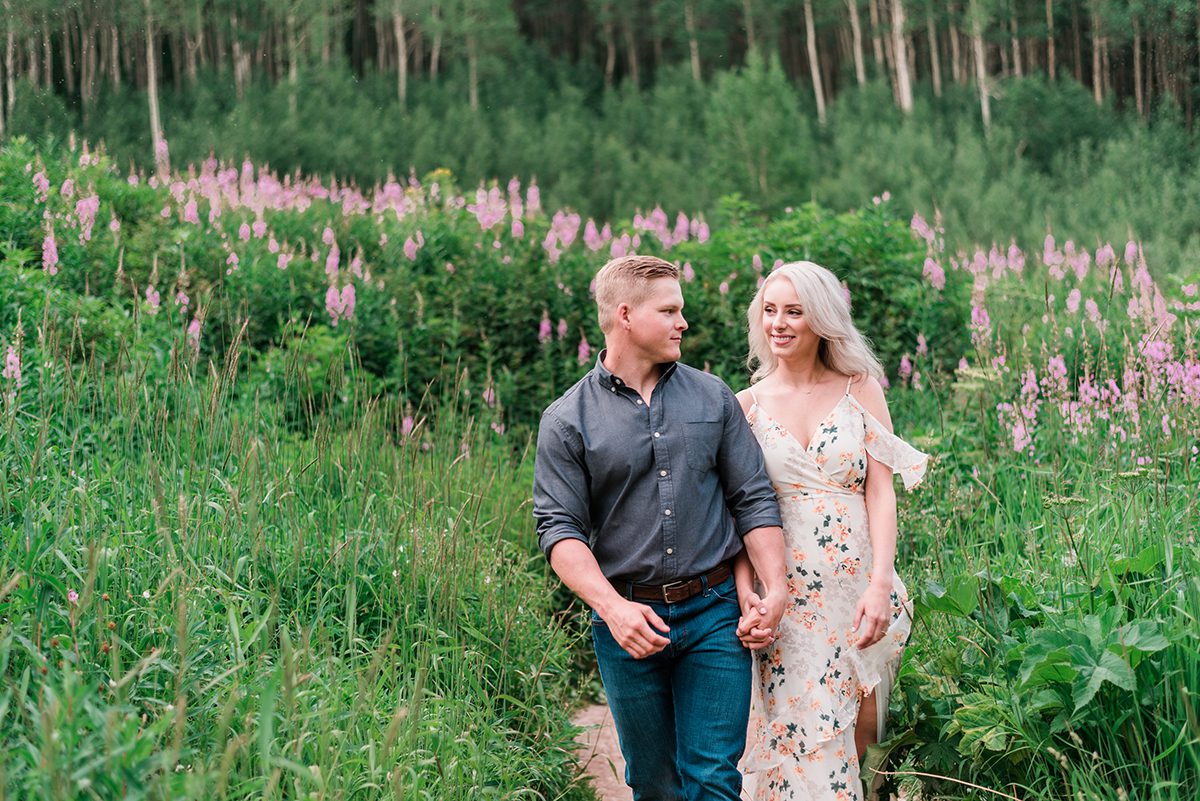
(198, 604)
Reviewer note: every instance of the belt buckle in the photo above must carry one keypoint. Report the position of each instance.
(674, 585)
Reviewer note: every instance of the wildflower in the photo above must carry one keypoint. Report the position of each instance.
(544, 329)
(406, 426)
(193, 335)
(450, 268)
(533, 197)
(1189, 290)
(146, 594)
(410, 249)
(585, 350)
(591, 237)
(327, 236)
(756, 263)
(244, 232)
(12, 365)
(562, 329)
(72, 596)
(922, 345)
(498, 428)
(934, 273)
(331, 262)
(518, 229)
(906, 367)
(283, 260)
(152, 297)
(921, 228)
(85, 211)
(489, 396)
(689, 274)
(723, 288)
(114, 225)
(50, 253)
(67, 190)
(42, 184)
(962, 364)
(348, 300)
(259, 228)
(272, 245)
(1131, 252)
(190, 212)
(702, 233)
(1073, 299)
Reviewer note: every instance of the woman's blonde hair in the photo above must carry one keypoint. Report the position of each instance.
(826, 305)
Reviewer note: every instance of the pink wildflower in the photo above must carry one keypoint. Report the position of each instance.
(114, 225)
(181, 299)
(333, 304)
(259, 228)
(518, 229)
(332, 261)
(50, 253)
(190, 212)
(67, 190)
(906, 367)
(12, 365)
(934, 273)
(723, 288)
(152, 297)
(283, 260)
(348, 300)
(585, 350)
(922, 345)
(232, 260)
(489, 396)
(544, 329)
(406, 425)
(1131, 252)
(1073, 299)
(193, 335)
(689, 274)
(327, 236)
(410, 249)
(244, 232)
(72, 596)
(921, 228)
(42, 184)
(562, 329)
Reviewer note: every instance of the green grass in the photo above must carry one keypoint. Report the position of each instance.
(356, 614)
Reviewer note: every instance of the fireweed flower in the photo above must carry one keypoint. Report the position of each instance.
(689, 274)
(153, 298)
(190, 212)
(585, 350)
(489, 396)
(42, 184)
(12, 365)
(244, 232)
(518, 229)
(1131, 252)
(934, 273)
(327, 236)
(331, 262)
(562, 329)
(406, 426)
(67, 190)
(922, 345)
(50, 253)
(72, 596)
(544, 328)
(85, 210)
(906, 367)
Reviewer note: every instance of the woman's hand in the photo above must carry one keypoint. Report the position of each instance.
(872, 615)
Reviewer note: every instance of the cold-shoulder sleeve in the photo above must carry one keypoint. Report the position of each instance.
(897, 454)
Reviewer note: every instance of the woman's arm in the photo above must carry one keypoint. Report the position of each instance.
(874, 608)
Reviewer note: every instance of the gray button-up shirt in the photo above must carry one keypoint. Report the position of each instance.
(650, 488)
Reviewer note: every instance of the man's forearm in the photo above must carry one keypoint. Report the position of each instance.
(576, 565)
(764, 547)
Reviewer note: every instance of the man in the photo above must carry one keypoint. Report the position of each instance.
(648, 482)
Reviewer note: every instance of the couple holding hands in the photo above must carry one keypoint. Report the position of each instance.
(740, 578)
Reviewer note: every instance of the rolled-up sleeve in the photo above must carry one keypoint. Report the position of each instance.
(560, 487)
(748, 491)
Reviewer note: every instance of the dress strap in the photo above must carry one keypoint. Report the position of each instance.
(849, 381)
(753, 397)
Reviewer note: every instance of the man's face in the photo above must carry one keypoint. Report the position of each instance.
(657, 324)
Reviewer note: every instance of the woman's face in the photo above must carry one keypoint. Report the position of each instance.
(783, 320)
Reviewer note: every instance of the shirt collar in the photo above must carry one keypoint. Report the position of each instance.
(611, 381)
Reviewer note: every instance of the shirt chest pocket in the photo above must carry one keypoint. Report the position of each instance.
(702, 439)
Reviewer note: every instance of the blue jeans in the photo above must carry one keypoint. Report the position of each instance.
(681, 714)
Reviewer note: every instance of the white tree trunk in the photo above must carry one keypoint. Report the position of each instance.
(748, 20)
(1016, 45)
(935, 63)
(814, 63)
(156, 135)
(10, 77)
(876, 37)
(473, 72)
(900, 49)
(1050, 38)
(1139, 98)
(689, 21)
(860, 68)
(981, 76)
(398, 27)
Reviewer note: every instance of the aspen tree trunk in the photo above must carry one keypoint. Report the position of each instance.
(1077, 43)
(1097, 55)
(1016, 44)
(748, 21)
(631, 54)
(435, 49)
(293, 61)
(814, 63)
(981, 76)
(398, 24)
(876, 38)
(689, 21)
(957, 69)
(860, 69)
(935, 66)
(900, 52)
(239, 71)
(156, 135)
(1139, 99)
(33, 68)
(889, 54)
(114, 63)
(610, 56)
(1050, 38)
(47, 54)
(10, 52)
(473, 71)
(68, 54)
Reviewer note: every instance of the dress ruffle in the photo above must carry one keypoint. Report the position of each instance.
(887, 448)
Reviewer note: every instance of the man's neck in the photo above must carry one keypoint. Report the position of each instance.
(639, 374)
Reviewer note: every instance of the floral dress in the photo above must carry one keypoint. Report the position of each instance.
(809, 684)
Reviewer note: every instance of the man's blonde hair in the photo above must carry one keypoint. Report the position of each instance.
(627, 280)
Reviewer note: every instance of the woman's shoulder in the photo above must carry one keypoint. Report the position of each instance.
(746, 398)
(866, 389)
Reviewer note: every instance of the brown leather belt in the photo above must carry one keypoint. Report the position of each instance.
(676, 591)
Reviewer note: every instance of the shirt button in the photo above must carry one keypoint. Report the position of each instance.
(638, 401)
(670, 551)
(667, 512)
(657, 435)
(662, 472)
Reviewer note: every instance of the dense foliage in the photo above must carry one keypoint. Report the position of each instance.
(266, 530)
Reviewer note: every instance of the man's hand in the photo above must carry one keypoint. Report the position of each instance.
(633, 626)
(758, 626)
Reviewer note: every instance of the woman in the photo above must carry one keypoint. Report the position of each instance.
(818, 411)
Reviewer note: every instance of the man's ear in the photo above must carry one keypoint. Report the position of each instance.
(622, 316)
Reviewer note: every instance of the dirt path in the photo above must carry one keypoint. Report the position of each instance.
(601, 758)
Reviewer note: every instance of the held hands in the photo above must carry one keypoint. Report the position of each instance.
(872, 615)
(759, 624)
(633, 626)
